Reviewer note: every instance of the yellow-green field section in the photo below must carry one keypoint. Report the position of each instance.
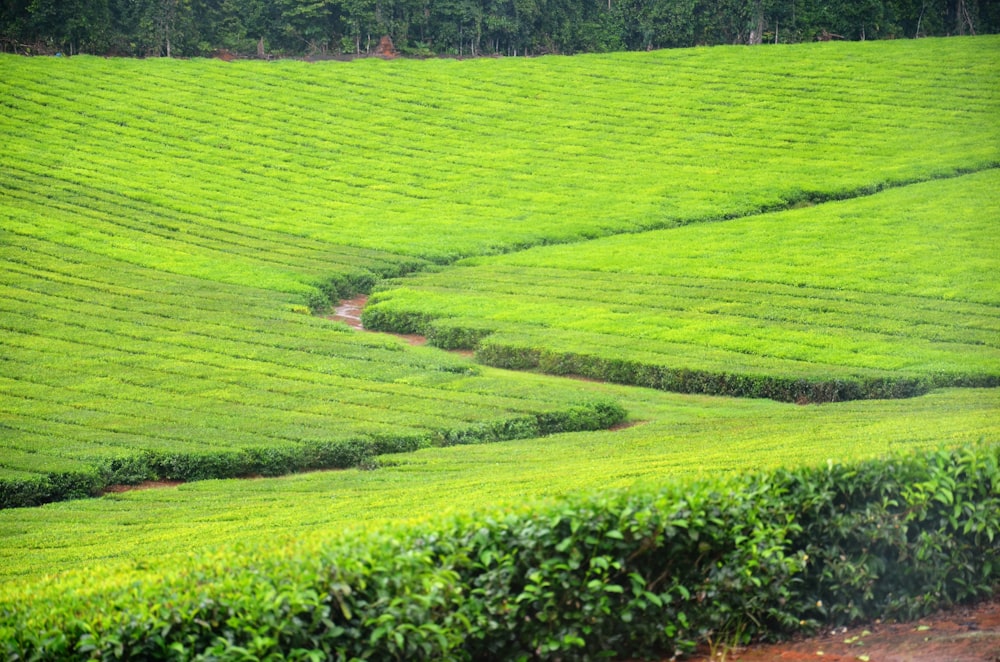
(167, 227)
(902, 283)
(198, 167)
(162, 221)
(135, 535)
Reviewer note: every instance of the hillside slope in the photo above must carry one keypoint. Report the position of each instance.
(164, 221)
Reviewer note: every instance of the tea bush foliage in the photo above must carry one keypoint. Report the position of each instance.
(278, 174)
(623, 574)
(667, 435)
(879, 297)
(115, 374)
(165, 226)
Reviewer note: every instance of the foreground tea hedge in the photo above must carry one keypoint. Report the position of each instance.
(646, 572)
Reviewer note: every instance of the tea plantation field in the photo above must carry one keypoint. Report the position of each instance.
(237, 566)
(807, 223)
(673, 435)
(114, 373)
(880, 296)
(196, 167)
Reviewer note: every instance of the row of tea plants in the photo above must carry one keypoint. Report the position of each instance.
(622, 574)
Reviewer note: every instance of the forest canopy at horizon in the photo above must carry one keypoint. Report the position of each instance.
(465, 27)
(165, 226)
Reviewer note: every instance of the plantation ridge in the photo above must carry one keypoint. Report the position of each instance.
(710, 238)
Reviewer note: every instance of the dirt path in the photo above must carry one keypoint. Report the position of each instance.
(963, 634)
(146, 485)
(348, 311)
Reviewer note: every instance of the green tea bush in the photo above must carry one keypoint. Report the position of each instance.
(840, 301)
(34, 490)
(275, 460)
(331, 289)
(685, 380)
(898, 539)
(649, 572)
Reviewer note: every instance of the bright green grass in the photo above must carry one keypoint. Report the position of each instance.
(903, 282)
(679, 437)
(160, 220)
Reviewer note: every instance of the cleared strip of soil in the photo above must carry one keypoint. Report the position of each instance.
(962, 634)
(349, 312)
(146, 485)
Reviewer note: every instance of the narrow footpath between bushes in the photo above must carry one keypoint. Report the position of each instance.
(961, 634)
(348, 311)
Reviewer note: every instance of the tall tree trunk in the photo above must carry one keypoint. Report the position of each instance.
(757, 32)
(963, 18)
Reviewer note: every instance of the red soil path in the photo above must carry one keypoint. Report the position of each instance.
(962, 634)
(349, 312)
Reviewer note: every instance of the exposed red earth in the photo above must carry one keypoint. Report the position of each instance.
(348, 311)
(147, 485)
(961, 634)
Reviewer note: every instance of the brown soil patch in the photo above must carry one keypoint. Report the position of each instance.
(348, 311)
(385, 48)
(146, 485)
(962, 634)
(625, 425)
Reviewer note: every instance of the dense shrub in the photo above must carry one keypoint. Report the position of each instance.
(280, 460)
(684, 380)
(332, 289)
(620, 574)
(43, 488)
(492, 351)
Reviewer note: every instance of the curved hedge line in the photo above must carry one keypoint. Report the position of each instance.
(332, 289)
(279, 460)
(492, 351)
(686, 380)
(623, 574)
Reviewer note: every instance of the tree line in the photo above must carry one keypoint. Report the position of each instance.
(264, 28)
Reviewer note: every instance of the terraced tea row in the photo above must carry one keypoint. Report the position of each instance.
(792, 550)
(121, 374)
(131, 536)
(138, 196)
(886, 295)
(442, 159)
